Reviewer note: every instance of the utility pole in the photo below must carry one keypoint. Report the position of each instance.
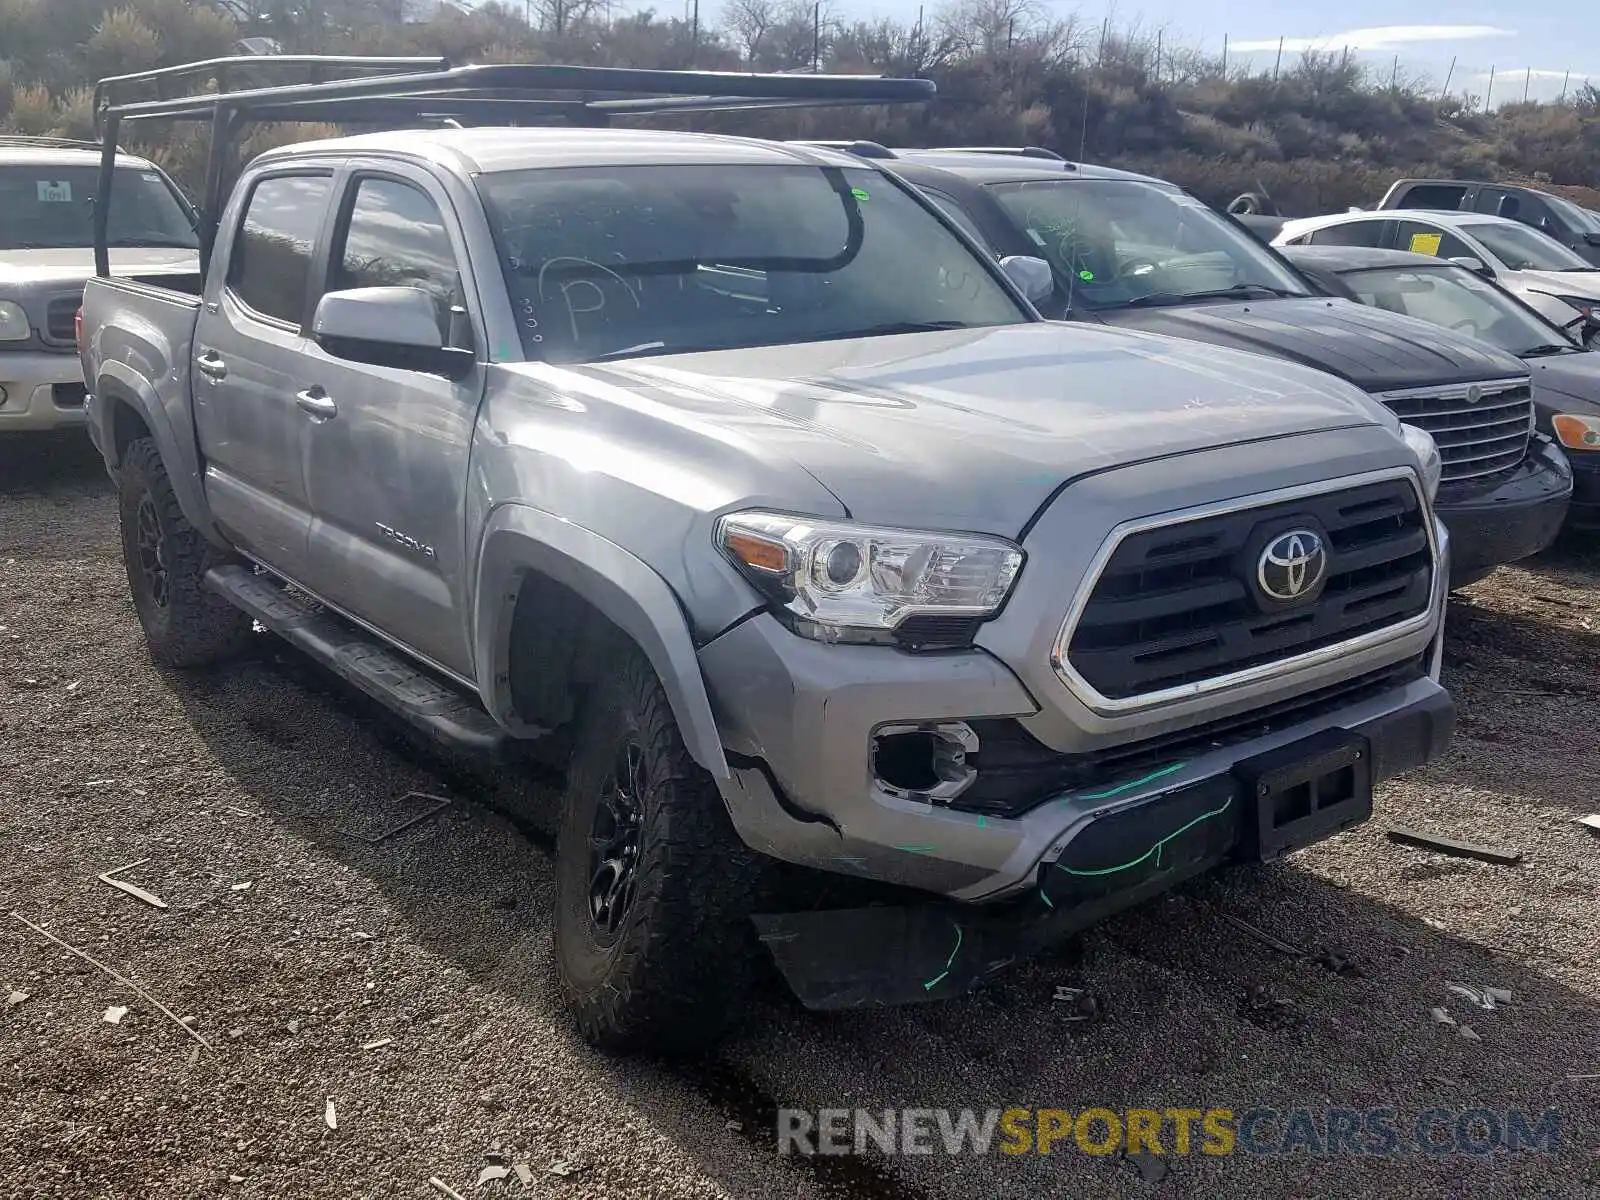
(694, 36)
(1277, 62)
(1527, 81)
(1488, 95)
(1564, 80)
(1158, 56)
(1224, 56)
(1100, 55)
(816, 37)
(1445, 90)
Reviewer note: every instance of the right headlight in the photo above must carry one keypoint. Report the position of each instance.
(13, 323)
(1427, 452)
(1577, 432)
(836, 581)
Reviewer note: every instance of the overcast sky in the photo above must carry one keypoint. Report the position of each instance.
(1546, 38)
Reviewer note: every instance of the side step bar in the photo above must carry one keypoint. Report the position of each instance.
(438, 708)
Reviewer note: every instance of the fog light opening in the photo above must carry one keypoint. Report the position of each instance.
(930, 764)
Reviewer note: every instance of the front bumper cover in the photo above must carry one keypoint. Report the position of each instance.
(1517, 519)
(906, 954)
(40, 391)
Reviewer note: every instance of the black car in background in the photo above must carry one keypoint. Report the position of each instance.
(1143, 254)
(1566, 372)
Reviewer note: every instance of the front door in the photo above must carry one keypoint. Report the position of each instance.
(247, 349)
(386, 468)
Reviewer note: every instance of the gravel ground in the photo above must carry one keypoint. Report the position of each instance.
(438, 939)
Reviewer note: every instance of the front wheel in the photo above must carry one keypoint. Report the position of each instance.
(185, 624)
(654, 889)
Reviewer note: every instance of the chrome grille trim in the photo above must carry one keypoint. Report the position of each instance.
(1475, 440)
(1107, 706)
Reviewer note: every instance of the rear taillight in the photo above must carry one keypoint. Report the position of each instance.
(77, 328)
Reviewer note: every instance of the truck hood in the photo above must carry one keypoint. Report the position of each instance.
(974, 429)
(23, 268)
(1377, 350)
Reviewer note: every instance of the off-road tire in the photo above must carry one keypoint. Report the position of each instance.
(194, 627)
(685, 952)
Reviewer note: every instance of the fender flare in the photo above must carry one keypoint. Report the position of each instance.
(627, 591)
(120, 382)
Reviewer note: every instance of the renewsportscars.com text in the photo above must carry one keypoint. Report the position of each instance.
(1175, 1131)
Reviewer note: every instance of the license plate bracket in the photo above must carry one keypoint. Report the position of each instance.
(1303, 792)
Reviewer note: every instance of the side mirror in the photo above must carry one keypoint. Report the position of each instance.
(388, 327)
(1473, 264)
(1591, 239)
(1032, 275)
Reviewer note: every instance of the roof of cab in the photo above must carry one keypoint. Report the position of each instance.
(1362, 258)
(1003, 168)
(21, 154)
(504, 148)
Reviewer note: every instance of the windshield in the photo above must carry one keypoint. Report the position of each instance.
(1580, 219)
(1114, 242)
(1457, 299)
(1523, 248)
(52, 208)
(620, 261)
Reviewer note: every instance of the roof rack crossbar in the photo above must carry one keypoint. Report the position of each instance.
(46, 142)
(217, 71)
(860, 147)
(643, 90)
(1017, 151)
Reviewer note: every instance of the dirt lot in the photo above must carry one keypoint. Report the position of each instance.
(438, 939)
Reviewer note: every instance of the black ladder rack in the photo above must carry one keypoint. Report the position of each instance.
(400, 92)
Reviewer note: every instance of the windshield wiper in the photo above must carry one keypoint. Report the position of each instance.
(1238, 290)
(1545, 350)
(887, 329)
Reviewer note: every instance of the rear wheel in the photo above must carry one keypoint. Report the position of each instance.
(185, 624)
(654, 889)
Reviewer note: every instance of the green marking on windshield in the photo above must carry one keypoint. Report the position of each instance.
(860, 193)
(1086, 275)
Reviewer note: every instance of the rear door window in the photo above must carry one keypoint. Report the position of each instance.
(1351, 233)
(1433, 195)
(952, 209)
(269, 270)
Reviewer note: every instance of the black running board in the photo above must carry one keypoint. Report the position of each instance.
(441, 710)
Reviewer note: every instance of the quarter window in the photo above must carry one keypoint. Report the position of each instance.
(396, 238)
(271, 261)
(956, 213)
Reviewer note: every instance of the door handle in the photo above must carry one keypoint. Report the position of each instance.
(317, 402)
(211, 365)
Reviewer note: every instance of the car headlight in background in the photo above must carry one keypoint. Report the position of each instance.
(1427, 452)
(13, 323)
(1577, 433)
(837, 581)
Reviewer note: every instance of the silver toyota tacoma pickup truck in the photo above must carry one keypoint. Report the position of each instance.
(47, 189)
(735, 465)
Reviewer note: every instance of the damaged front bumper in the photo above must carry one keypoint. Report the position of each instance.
(1259, 809)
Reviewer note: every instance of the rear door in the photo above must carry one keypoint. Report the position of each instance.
(387, 470)
(248, 346)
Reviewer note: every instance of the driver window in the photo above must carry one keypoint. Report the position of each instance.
(395, 237)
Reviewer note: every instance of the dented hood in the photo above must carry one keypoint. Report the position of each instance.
(976, 428)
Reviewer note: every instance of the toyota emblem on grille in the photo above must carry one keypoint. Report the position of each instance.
(1291, 565)
(1474, 394)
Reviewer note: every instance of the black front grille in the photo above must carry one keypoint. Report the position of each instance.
(1478, 437)
(1017, 772)
(61, 319)
(1180, 604)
